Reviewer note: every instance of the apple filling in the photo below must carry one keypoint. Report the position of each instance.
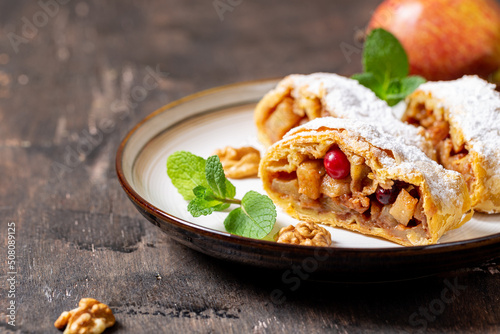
(290, 113)
(358, 196)
(451, 154)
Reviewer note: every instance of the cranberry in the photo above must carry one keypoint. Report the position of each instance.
(387, 196)
(336, 164)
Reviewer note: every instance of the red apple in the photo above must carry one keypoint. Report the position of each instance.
(444, 39)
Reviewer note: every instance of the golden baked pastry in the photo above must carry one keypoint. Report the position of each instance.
(387, 188)
(462, 120)
(298, 99)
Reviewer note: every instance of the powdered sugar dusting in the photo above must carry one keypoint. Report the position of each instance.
(343, 97)
(347, 98)
(474, 107)
(443, 183)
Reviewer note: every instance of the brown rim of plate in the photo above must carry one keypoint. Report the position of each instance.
(264, 244)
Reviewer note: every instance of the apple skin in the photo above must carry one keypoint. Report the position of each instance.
(444, 39)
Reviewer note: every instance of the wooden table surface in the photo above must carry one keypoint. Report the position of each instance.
(75, 76)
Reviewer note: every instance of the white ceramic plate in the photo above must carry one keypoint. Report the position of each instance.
(235, 127)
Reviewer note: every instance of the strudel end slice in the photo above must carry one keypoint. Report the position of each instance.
(462, 120)
(298, 99)
(351, 174)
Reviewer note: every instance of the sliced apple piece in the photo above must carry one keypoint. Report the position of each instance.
(403, 209)
(335, 188)
(309, 174)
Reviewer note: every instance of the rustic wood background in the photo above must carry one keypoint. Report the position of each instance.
(78, 235)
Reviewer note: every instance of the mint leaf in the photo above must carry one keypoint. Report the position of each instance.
(385, 57)
(254, 219)
(201, 207)
(399, 89)
(370, 81)
(186, 171)
(386, 68)
(214, 173)
(203, 192)
(409, 84)
(394, 94)
(205, 202)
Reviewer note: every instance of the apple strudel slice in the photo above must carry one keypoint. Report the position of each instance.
(462, 120)
(298, 99)
(351, 174)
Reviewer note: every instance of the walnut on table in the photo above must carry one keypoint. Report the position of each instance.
(91, 317)
(240, 162)
(305, 233)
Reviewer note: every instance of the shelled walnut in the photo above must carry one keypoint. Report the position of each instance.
(91, 317)
(240, 162)
(309, 234)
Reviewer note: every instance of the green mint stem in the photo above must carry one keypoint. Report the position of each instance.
(230, 200)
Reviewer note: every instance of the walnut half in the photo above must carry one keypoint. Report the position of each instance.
(305, 233)
(91, 317)
(240, 162)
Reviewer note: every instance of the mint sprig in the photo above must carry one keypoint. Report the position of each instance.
(203, 183)
(386, 68)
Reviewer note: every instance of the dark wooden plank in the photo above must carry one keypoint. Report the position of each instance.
(78, 235)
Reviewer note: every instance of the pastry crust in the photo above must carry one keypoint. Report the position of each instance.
(443, 198)
(462, 119)
(298, 99)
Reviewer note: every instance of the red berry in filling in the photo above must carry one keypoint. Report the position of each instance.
(336, 164)
(387, 196)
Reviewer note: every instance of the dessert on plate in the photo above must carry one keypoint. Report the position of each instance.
(298, 99)
(355, 175)
(462, 121)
